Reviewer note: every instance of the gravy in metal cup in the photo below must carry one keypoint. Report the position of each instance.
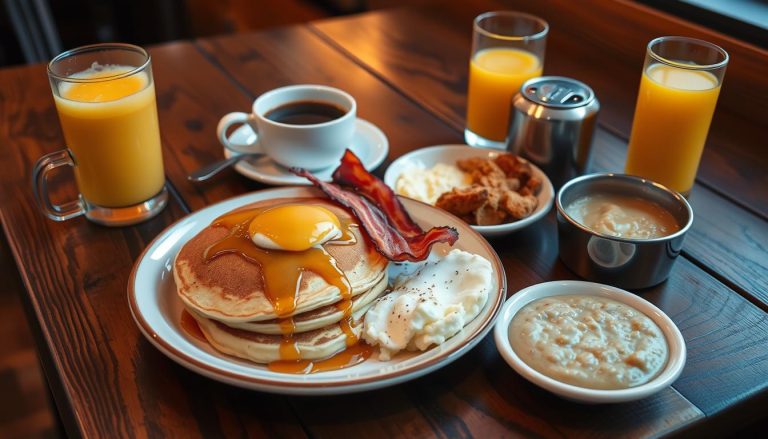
(595, 251)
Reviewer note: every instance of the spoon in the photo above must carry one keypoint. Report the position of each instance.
(208, 171)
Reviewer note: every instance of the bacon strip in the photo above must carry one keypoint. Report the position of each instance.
(352, 173)
(388, 240)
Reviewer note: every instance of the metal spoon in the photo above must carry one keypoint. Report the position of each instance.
(209, 171)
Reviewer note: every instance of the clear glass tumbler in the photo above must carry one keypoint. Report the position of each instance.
(105, 99)
(507, 49)
(678, 92)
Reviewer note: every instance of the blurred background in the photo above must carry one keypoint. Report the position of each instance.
(36, 30)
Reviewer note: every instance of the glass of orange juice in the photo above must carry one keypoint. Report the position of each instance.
(507, 50)
(678, 92)
(105, 99)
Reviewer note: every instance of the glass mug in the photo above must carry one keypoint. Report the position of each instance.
(105, 99)
(507, 50)
(678, 93)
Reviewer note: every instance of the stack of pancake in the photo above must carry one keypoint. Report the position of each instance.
(229, 297)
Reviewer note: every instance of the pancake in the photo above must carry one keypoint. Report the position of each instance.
(319, 317)
(231, 289)
(264, 348)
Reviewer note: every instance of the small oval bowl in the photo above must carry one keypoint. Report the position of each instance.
(623, 262)
(675, 342)
(449, 154)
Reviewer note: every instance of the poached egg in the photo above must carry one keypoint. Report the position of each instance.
(431, 305)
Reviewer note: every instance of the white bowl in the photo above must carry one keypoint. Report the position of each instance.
(449, 154)
(668, 374)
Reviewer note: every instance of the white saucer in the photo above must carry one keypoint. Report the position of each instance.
(369, 143)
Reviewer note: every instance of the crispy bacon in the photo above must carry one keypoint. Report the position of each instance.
(352, 173)
(388, 240)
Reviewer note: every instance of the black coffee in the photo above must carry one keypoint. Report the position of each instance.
(305, 113)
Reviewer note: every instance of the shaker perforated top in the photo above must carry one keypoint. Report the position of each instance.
(557, 92)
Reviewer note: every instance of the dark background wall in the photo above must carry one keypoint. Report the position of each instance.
(78, 22)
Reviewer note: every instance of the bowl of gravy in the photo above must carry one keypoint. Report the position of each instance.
(621, 230)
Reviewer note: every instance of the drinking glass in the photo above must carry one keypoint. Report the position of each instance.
(507, 50)
(678, 92)
(105, 98)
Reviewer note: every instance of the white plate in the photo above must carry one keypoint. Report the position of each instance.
(525, 296)
(449, 154)
(369, 143)
(157, 311)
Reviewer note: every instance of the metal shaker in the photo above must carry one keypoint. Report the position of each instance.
(551, 124)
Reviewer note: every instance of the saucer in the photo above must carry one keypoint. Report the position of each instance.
(369, 143)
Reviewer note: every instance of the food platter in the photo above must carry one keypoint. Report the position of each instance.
(449, 154)
(157, 311)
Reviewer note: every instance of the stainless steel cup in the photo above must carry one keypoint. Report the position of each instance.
(552, 122)
(622, 262)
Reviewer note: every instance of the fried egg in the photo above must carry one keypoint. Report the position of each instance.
(294, 227)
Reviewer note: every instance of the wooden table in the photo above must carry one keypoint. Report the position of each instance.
(407, 68)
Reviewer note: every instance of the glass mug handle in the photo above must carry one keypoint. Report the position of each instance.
(44, 165)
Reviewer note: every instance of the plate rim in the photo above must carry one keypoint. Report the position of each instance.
(288, 179)
(499, 229)
(308, 387)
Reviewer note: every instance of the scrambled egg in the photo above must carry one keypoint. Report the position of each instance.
(428, 184)
(431, 305)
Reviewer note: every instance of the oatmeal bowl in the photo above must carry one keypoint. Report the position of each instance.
(589, 342)
(494, 191)
(619, 229)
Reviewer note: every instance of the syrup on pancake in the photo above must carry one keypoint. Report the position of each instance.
(300, 229)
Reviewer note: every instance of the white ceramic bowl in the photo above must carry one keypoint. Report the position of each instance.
(449, 154)
(668, 374)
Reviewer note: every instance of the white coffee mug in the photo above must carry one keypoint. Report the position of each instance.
(313, 146)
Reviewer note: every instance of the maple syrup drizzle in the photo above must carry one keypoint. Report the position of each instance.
(346, 323)
(282, 272)
(289, 349)
(349, 357)
(191, 327)
(287, 326)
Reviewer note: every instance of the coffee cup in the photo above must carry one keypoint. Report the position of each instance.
(307, 126)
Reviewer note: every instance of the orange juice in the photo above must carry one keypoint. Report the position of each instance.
(495, 76)
(111, 129)
(672, 117)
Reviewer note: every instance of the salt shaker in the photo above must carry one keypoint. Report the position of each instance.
(552, 124)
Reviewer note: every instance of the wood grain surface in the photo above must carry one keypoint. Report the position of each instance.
(600, 42)
(424, 52)
(109, 381)
(229, 53)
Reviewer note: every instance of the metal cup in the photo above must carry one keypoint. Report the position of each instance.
(622, 262)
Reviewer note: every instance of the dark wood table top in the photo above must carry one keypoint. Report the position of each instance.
(407, 68)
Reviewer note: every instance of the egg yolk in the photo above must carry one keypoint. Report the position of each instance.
(295, 227)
